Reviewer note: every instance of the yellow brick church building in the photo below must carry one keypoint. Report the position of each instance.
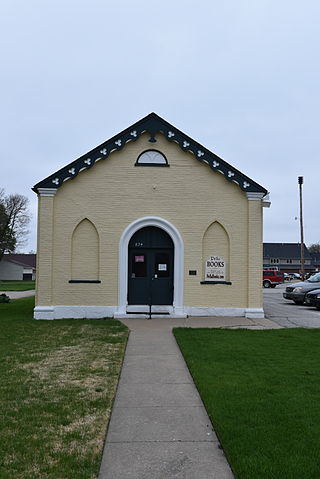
(149, 222)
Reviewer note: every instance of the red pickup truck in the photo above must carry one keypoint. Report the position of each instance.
(271, 278)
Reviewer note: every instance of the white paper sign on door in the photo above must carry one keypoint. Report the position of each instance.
(162, 267)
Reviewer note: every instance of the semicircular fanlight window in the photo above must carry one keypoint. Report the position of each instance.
(152, 157)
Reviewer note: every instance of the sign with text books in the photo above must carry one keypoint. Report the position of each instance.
(215, 269)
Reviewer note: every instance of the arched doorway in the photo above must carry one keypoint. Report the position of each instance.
(150, 267)
(177, 308)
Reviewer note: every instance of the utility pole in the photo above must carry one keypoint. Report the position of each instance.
(300, 182)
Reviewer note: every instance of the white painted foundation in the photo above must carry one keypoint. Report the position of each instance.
(96, 312)
(75, 312)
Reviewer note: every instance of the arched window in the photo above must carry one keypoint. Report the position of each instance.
(216, 254)
(85, 253)
(151, 158)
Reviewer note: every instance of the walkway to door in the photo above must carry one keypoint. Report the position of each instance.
(159, 428)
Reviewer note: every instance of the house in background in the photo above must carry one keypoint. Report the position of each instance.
(285, 257)
(21, 267)
(315, 258)
(150, 220)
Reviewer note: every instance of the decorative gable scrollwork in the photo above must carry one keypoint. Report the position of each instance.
(151, 124)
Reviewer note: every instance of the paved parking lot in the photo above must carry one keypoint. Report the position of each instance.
(286, 313)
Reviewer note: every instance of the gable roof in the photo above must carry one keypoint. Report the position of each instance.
(284, 250)
(152, 124)
(26, 260)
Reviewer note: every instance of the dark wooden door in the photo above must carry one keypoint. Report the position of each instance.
(150, 267)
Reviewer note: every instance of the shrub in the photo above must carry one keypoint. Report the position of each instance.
(4, 298)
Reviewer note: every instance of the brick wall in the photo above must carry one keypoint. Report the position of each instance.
(114, 193)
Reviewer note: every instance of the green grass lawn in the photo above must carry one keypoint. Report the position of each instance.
(17, 285)
(57, 384)
(262, 392)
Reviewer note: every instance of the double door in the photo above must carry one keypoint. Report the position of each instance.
(150, 276)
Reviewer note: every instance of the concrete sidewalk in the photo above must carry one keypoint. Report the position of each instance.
(19, 294)
(159, 428)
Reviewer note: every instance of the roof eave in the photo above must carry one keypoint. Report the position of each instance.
(152, 124)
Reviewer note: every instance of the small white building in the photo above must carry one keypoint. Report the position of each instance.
(19, 267)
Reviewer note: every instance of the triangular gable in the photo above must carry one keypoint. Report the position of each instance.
(152, 124)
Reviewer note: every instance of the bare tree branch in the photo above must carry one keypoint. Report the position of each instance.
(314, 248)
(14, 219)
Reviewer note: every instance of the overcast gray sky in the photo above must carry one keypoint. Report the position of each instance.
(241, 77)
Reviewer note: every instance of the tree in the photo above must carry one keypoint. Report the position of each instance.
(314, 248)
(7, 240)
(14, 219)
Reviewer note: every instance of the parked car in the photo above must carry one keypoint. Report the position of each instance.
(290, 276)
(296, 275)
(271, 278)
(308, 275)
(313, 298)
(297, 291)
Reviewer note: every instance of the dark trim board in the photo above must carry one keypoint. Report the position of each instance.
(215, 282)
(84, 281)
(152, 124)
(150, 164)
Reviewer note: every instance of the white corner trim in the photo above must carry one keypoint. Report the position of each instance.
(74, 312)
(254, 195)
(43, 312)
(266, 202)
(254, 313)
(47, 191)
(178, 262)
